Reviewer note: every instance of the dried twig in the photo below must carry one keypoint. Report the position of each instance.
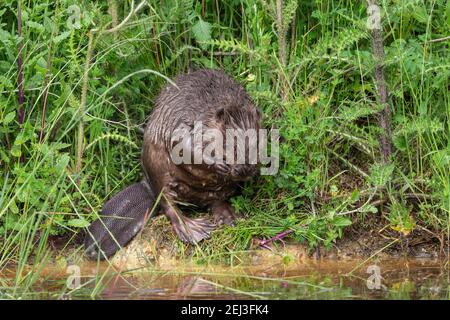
(46, 84)
(385, 115)
(82, 110)
(20, 63)
(112, 9)
(439, 40)
(282, 48)
(21, 113)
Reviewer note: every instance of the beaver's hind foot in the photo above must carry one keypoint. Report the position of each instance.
(189, 230)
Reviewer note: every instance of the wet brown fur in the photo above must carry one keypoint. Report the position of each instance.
(215, 99)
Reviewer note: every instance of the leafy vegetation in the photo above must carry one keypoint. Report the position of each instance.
(89, 83)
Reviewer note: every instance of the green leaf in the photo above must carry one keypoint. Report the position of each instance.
(342, 222)
(59, 145)
(62, 163)
(34, 25)
(13, 207)
(4, 156)
(9, 117)
(447, 12)
(355, 196)
(369, 208)
(202, 31)
(61, 37)
(423, 109)
(5, 81)
(20, 139)
(16, 151)
(441, 159)
(78, 223)
(380, 174)
(420, 14)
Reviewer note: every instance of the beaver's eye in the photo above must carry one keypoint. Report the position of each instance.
(220, 114)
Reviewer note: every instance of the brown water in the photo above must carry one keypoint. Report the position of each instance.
(311, 279)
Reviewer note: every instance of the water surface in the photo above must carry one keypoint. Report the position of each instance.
(325, 279)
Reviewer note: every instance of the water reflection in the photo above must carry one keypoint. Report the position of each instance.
(417, 279)
(332, 279)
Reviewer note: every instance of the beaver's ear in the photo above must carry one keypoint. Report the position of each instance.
(258, 113)
(220, 114)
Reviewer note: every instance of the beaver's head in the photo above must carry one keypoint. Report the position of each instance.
(224, 140)
(239, 127)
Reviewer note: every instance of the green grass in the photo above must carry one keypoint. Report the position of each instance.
(322, 96)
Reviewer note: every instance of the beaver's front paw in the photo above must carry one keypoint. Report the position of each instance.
(223, 213)
(193, 230)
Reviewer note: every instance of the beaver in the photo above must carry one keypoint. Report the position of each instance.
(216, 102)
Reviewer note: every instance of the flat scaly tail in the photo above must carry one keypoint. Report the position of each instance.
(121, 218)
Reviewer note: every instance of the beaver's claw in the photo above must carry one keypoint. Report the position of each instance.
(222, 168)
